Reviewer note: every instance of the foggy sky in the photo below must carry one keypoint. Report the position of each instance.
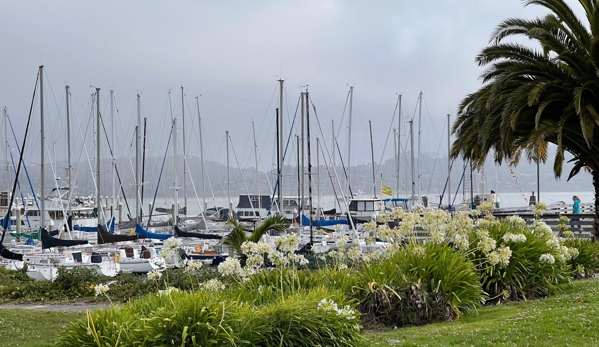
(232, 53)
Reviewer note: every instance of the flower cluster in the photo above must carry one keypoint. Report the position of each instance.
(540, 208)
(547, 258)
(330, 306)
(167, 291)
(154, 275)
(213, 285)
(170, 249)
(515, 238)
(192, 265)
(500, 256)
(515, 221)
(100, 289)
(230, 267)
(383, 218)
(486, 244)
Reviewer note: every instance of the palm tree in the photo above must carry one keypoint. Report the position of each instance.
(238, 235)
(536, 95)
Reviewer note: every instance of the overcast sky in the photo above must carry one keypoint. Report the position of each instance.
(232, 53)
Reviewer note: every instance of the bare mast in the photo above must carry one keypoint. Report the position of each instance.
(184, 154)
(69, 167)
(43, 141)
(202, 160)
(113, 158)
(351, 101)
(281, 147)
(398, 159)
(137, 148)
(98, 173)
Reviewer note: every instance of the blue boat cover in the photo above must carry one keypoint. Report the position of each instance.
(323, 223)
(141, 231)
(94, 229)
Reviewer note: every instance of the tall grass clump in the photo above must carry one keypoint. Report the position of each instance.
(417, 285)
(218, 318)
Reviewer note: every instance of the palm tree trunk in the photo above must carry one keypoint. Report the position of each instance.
(595, 232)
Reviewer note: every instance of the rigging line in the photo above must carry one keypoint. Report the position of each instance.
(284, 154)
(326, 164)
(241, 174)
(351, 194)
(430, 182)
(17, 173)
(14, 187)
(378, 172)
(12, 159)
(329, 156)
(160, 177)
(343, 114)
(118, 175)
(201, 133)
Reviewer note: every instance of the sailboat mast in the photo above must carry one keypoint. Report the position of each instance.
(113, 158)
(419, 147)
(351, 101)
(5, 119)
(43, 142)
(202, 160)
(333, 139)
(70, 191)
(397, 176)
(281, 146)
(228, 178)
(98, 182)
(137, 148)
(175, 211)
(257, 171)
(184, 154)
(372, 159)
(412, 161)
(448, 162)
(318, 201)
(307, 94)
(304, 105)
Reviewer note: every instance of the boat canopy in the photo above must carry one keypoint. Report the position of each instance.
(323, 223)
(141, 231)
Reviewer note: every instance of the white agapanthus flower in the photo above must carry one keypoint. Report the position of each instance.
(516, 221)
(383, 217)
(547, 258)
(515, 238)
(172, 243)
(213, 285)
(192, 265)
(461, 242)
(154, 275)
(342, 241)
(370, 227)
(101, 289)
(486, 245)
(168, 291)
(229, 267)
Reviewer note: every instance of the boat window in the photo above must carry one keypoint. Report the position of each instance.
(369, 205)
(33, 213)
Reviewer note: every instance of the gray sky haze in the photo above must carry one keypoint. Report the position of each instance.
(232, 53)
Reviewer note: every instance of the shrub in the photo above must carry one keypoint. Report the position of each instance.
(587, 261)
(514, 261)
(419, 284)
(206, 318)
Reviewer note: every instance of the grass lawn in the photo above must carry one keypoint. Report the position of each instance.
(570, 319)
(21, 327)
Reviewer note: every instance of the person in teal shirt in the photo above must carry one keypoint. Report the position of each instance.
(576, 210)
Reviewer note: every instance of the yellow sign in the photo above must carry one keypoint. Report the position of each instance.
(387, 191)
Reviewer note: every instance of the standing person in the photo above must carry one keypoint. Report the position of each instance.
(576, 210)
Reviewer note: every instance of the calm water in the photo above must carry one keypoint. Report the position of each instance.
(328, 201)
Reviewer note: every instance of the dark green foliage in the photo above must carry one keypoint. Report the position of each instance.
(587, 262)
(219, 319)
(413, 288)
(238, 235)
(525, 277)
